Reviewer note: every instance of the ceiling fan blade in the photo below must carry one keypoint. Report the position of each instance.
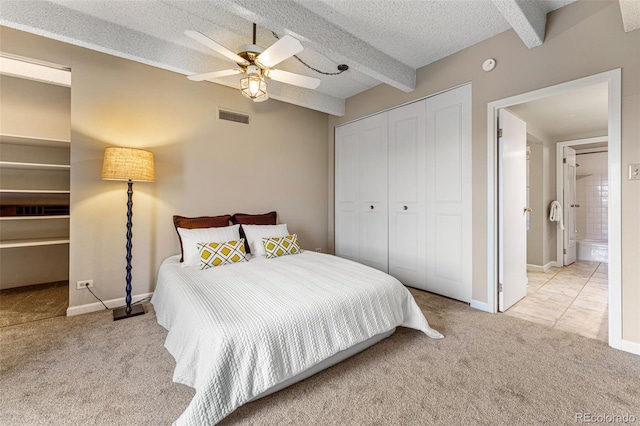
(295, 79)
(215, 74)
(282, 49)
(203, 39)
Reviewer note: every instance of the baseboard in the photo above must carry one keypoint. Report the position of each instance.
(632, 347)
(538, 268)
(94, 307)
(534, 268)
(482, 306)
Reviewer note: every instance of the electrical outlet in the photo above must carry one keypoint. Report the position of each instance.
(83, 284)
(634, 171)
(319, 250)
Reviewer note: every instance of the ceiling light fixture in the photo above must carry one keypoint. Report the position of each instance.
(258, 64)
(253, 85)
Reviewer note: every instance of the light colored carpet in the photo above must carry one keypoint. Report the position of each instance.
(33, 303)
(490, 369)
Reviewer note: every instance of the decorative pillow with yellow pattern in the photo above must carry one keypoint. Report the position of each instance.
(275, 247)
(216, 254)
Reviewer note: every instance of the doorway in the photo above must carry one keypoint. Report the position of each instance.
(35, 166)
(496, 214)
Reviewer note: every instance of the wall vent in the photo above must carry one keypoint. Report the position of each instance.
(237, 117)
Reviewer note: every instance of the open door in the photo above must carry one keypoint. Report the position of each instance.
(512, 210)
(569, 205)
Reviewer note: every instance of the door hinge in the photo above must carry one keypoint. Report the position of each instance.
(564, 251)
(499, 287)
(499, 133)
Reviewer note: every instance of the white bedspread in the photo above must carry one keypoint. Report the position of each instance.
(237, 330)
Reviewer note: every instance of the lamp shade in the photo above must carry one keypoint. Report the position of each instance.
(128, 164)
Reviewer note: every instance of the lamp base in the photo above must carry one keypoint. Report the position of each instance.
(121, 313)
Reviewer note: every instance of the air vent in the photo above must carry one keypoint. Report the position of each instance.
(234, 116)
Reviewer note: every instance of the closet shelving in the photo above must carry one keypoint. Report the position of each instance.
(34, 141)
(33, 166)
(33, 242)
(35, 171)
(34, 191)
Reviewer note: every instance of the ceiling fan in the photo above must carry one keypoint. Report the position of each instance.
(257, 63)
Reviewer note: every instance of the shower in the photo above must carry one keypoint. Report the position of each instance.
(592, 196)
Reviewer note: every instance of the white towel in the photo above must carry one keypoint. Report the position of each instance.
(555, 213)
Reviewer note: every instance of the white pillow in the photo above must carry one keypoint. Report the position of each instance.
(255, 234)
(191, 238)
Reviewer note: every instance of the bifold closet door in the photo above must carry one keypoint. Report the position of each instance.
(361, 228)
(403, 193)
(347, 232)
(374, 189)
(448, 180)
(407, 192)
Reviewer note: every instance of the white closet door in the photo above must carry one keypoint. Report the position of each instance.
(361, 213)
(347, 191)
(373, 182)
(448, 215)
(407, 179)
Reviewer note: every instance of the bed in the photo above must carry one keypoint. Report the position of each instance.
(239, 332)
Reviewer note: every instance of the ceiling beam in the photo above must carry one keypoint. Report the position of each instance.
(289, 17)
(526, 17)
(60, 23)
(630, 10)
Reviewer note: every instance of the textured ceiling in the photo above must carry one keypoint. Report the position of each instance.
(630, 10)
(382, 41)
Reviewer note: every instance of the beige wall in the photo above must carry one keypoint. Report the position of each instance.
(203, 166)
(535, 237)
(582, 39)
(541, 238)
(549, 195)
(32, 108)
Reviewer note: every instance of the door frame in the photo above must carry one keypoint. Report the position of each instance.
(560, 185)
(613, 79)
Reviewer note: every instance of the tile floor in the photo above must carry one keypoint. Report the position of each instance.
(573, 298)
(35, 302)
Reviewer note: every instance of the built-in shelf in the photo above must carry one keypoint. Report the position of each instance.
(35, 191)
(49, 217)
(33, 166)
(35, 145)
(34, 141)
(33, 242)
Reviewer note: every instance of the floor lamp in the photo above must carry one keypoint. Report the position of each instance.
(128, 164)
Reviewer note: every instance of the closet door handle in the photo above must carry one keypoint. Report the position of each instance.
(405, 208)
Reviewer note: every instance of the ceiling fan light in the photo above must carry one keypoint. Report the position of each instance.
(262, 98)
(253, 86)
